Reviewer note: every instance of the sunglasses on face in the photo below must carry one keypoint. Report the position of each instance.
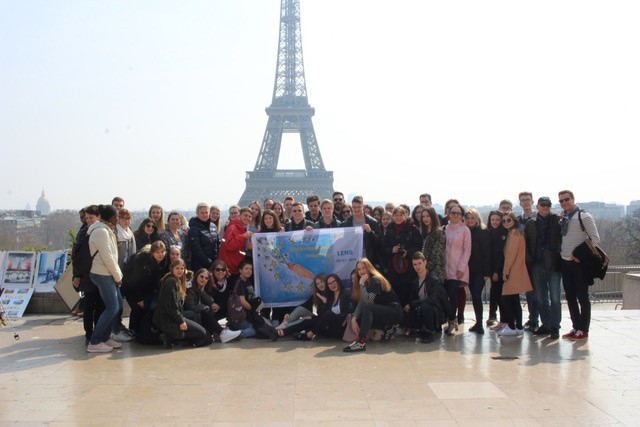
(455, 213)
(337, 199)
(566, 199)
(219, 269)
(507, 221)
(545, 205)
(149, 226)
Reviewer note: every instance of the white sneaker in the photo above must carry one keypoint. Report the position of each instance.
(520, 331)
(112, 343)
(121, 337)
(99, 348)
(508, 332)
(228, 335)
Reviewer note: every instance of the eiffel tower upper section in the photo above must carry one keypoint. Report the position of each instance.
(289, 112)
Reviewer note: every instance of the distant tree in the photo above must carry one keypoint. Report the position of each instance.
(55, 229)
(632, 232)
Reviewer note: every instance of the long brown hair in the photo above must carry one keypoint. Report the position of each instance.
(371, 270)
(181, 283)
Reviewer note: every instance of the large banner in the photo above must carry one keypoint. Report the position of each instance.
(284, 264)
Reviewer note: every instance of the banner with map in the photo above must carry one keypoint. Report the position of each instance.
(284, 264)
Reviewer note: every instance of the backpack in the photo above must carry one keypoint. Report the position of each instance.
(235, 311)
(82, 260)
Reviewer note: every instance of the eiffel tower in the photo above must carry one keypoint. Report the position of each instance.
(289, 112)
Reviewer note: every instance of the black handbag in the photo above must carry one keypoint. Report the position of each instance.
(593, 260)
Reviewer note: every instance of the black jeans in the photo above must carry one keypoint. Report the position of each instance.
(476, 285)
(93, 308)
(330, 324)
(576, 290)
(512, 311)
(495, 295)
(377, 316)
(424, 317)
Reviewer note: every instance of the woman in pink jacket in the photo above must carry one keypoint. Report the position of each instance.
(457, 253)
(515, 276)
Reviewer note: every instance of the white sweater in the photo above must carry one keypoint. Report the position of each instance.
(103, 239)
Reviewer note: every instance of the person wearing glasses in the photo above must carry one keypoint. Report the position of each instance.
(234, 212)
(479, 264)
(542, 234)
(457, 252)
(298, 221)
(338, 203)
(400, 242)
(515, 276)
(146, 234)
(576, 284)
(218, 287)
(345, 212)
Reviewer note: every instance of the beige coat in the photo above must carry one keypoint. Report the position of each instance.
(515, 270)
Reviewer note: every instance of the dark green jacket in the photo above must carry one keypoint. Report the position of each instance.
(168, 315)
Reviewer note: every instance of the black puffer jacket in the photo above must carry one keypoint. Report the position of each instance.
(203, 243)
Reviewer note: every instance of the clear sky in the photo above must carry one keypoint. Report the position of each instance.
(163, 101)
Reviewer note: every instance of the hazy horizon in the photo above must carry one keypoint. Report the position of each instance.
(163, 102)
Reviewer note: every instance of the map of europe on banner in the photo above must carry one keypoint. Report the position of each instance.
(284, 264)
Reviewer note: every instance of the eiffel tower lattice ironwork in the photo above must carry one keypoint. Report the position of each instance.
(289, 112)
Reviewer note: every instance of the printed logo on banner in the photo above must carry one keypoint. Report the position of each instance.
(285, 264)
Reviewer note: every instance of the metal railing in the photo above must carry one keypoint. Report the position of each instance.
(608, 290)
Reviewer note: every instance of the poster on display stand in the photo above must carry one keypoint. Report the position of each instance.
(49, 270)
(3, 258)
(15, 300)
(19, 268)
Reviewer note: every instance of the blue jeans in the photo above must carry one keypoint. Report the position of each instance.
(109, 320)
(532, 306)
(548, 293)
(245, 326)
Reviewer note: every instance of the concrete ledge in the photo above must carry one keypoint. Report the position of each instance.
(631, 292)
(46, 303)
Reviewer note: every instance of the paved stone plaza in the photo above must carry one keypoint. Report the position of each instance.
(46, 377)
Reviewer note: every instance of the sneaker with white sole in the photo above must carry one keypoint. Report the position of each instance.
(228, 335)
(121, 337)
(354, 347)
(508, 332)
(99, 348)
(112, 343)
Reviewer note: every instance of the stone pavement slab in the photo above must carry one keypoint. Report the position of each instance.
(46, 377)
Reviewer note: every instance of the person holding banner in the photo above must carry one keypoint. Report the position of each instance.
(378, 306)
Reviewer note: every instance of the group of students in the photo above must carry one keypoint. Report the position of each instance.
(181, 278)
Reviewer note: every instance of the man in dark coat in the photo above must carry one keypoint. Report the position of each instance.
(429, 307)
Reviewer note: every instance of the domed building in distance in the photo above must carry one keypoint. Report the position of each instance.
(43, 206)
